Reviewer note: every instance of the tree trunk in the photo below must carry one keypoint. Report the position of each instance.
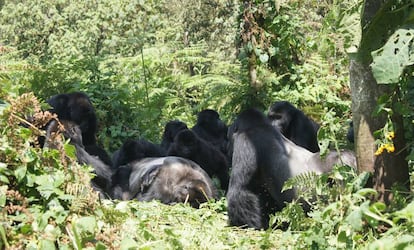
(387, 168)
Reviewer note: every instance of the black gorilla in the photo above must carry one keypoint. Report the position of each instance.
(102, 181)
(260, 166)
(210, 128)
(294, 124)
(188, 145)
(170, 130)
(262, 161)
(78, 108)
(133, 150)
(168, 179)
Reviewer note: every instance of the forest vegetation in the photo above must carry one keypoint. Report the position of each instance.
(144, 63)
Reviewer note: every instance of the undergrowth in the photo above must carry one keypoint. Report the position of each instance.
(46, 202)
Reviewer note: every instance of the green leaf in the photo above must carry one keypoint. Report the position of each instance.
(3, 197)
(128, 243)
(20, 172)
(85, 226)
(355, 219)
(390, 61)
(264, 58)
(46, 244)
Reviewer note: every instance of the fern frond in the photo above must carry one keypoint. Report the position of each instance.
(303, 181)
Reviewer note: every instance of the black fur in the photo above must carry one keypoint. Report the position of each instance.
(210, 128)
(133, 150)
(295, 125)
(188, 145)
(260, 166)
(170, 131)
(78, 108)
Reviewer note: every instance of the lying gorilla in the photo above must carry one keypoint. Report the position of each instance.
(133, 150)
(167, 179)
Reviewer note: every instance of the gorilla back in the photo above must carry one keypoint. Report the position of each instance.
(260, 166)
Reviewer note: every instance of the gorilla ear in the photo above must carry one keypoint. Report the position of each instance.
(149, 177)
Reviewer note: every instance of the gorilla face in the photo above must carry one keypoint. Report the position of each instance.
(279, 117)
(191, 190)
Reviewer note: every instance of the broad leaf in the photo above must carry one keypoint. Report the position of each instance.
(390, 61)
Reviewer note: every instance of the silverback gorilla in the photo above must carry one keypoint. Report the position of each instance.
(260, 166)
(262, 161)
(167, 179)
(294, 125)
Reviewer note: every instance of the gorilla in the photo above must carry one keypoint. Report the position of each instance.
(262, 160)
(294, 124)
(167, 179)
(170, 130)
(188, 145)
(300, 156)
(120, 183)
(133, 150)
(76, 107)
(210, 128)
(260, 166)
(99, 152)
(103, 173)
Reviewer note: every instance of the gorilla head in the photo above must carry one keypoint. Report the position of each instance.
(294, 124)
(78, 108)
(210, 128)
(170, 180)
(186, 143)
(170, 131)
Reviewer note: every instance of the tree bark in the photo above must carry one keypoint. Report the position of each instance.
(387, 168)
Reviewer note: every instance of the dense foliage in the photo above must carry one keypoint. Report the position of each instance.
(146, 62)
